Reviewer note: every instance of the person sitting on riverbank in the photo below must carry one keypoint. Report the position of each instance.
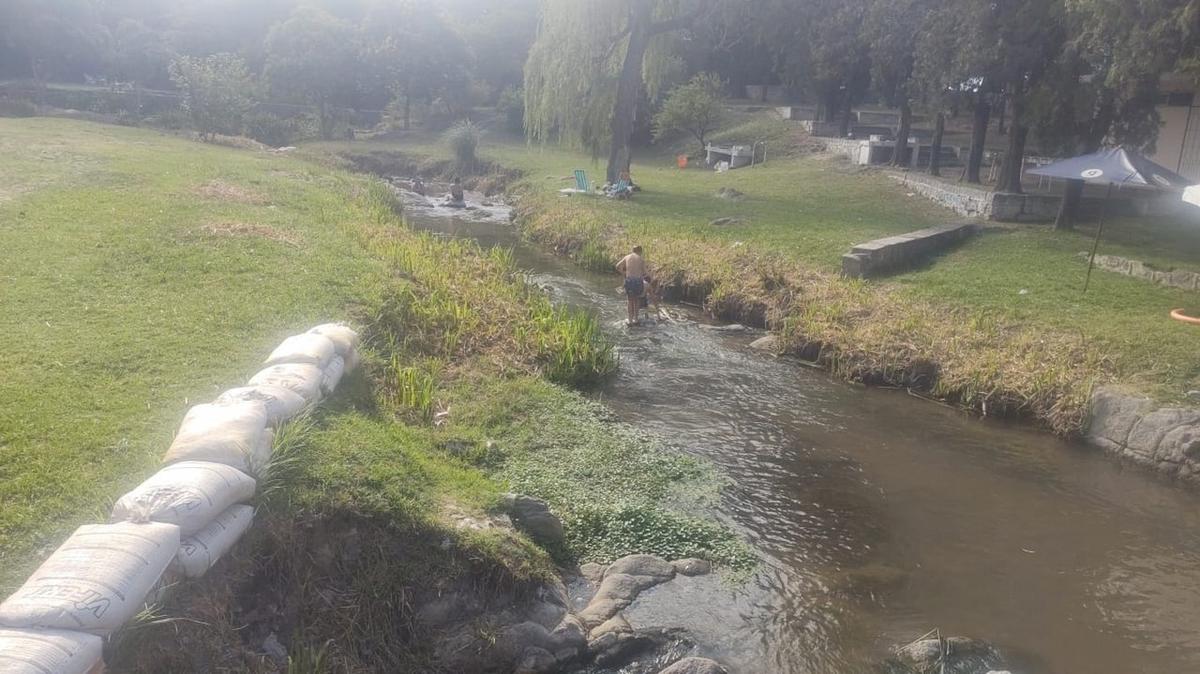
(633, 266)
(457, 198)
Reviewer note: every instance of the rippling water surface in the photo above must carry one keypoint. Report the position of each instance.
(880, 516)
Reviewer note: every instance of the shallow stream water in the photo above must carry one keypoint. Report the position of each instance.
(880, 516)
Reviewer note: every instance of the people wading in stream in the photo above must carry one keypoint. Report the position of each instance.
(457, 198)
(633, 266)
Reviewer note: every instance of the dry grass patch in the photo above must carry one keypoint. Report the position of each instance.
(220, 190)
(244, 230)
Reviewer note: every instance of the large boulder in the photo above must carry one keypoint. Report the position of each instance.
(952, 655)
(692, 567)
(536, 661)
(533, 516)
(642, 565)
(694, 666)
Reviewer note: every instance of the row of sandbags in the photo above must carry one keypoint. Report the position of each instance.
(180, 521)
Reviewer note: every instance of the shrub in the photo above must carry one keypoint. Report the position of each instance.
(463, 140)
(512, 107)
(218, 91)
(273, 130)
(696, 108)
(171, 120)
(17, 107)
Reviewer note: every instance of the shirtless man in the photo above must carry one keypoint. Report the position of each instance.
(633, 266)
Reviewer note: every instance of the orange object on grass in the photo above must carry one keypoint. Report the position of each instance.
(681, 161)
(1178, 315)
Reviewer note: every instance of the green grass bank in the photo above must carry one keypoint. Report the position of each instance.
(999, 325)
(144, 273)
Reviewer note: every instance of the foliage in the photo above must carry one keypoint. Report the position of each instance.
(696, 108)
(17, 107)
(312, 57)
(497, 37)
(411, 52)
(463, 140)
(218, 91)
(140, 55)
(511, 107)
(50, 40)
(587, 69)
(277, 131)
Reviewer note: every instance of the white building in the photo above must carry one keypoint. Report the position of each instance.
(1178, 146)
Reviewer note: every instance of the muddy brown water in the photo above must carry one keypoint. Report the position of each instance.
(880, 516)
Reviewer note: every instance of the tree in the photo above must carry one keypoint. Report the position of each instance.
(696, 108)
(498, 36)
(892, 30)
(217, 92)
(1030, 36)
(139, 54)
(1104, 85)
(313, 57)
(586, 71)
(52, 40)
(412, 53)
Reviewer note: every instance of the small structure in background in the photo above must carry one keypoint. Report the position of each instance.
(734, 156)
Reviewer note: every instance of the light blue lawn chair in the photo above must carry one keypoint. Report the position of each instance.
(582, 186)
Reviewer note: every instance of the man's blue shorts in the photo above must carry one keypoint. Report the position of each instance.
(634, 287)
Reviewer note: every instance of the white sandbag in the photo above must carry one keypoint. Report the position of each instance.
(352, 359)
(234, 434)
(189, 494)
(301, 378)
(281, 403)
(308, 348)
(343, 337)
(198, 553)
(96, 581)
(41, 651)
(333, 374)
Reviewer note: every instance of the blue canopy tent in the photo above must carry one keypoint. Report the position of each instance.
(1116, 166)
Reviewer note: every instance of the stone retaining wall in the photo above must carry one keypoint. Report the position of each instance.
(1164, 438)
(845, 147)
(971, 201)
(1179, 278)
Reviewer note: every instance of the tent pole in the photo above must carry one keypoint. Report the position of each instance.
(1096, 242)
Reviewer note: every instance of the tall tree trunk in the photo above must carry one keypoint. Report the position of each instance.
(829, 106)
(1000, 128)
(1014, 157)
(847, 111)
(629, 87)
(324, 121)
(898, 156)
(935, 147)
(982, 113)
(1068, 211)
(1014, 160)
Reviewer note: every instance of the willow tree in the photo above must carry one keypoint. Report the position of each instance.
(590, 65)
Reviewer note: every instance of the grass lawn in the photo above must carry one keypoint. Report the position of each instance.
(142, 273)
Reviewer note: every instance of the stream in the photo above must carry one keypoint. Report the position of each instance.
(880, 516)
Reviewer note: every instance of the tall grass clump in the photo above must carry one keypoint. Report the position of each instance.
(463, 140)
(572, 347)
